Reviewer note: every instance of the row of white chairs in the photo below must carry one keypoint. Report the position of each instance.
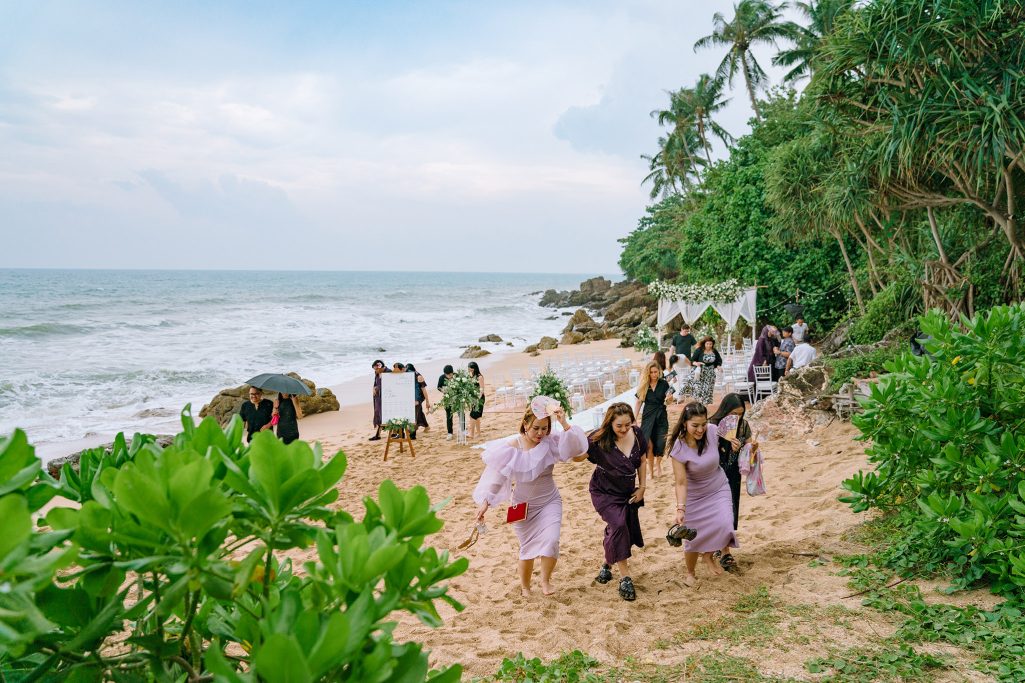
(582, 375)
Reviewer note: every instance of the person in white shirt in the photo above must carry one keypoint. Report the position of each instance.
(803, 354)
(800, 330)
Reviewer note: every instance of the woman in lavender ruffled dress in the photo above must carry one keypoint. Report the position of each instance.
(703, 498)
(519, 470)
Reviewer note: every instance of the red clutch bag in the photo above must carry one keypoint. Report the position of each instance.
(516, 513)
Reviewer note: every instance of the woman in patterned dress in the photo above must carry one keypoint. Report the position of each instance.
(707, 359)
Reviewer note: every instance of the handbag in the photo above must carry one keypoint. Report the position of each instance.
(516, 513)
(755, 482)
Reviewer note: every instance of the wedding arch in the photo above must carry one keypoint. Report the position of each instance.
(729, 299)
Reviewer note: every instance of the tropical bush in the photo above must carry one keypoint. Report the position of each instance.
(175, 565)
(551, 385)
(947, 435)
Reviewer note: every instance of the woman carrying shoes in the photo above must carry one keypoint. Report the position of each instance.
(702, 490)
(617, 449)
(519, 470)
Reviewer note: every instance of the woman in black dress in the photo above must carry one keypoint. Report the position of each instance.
(289, 413)
(420, 395)
(477, 412)
(653, 395)
(617, 449)
(729, 453)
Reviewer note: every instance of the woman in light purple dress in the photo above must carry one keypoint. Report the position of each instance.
(519, 470)
(701, 484)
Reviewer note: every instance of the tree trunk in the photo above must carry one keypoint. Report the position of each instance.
(850, 272)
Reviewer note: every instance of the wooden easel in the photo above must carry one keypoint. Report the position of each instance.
(400, 440)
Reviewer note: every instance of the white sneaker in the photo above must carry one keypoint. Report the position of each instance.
(448, 437)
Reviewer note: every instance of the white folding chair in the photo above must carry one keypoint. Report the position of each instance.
(763, 381)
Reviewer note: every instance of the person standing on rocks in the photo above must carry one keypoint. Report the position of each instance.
(379, 369)
(257, 413)
(683, 343)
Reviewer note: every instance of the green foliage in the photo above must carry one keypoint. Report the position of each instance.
(947, 441)
(725, 230)
(645, 340)
(571, 667)
(184, 550)
(551, 385)
(893, 308)
(897, 662)
(844, 369)
(996, 637)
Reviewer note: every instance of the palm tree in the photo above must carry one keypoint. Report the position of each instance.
(754, 22)
(702, 102)
(821, 15)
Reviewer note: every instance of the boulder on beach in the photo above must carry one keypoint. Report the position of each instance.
(554, 299)
(531, 349)
(592, 292)
(580, 317)
(228, 401)
(571, 337)
(490, 338)
(475, 351)
(548, 343)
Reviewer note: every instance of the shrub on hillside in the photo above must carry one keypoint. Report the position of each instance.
(893, 308)
(842, 370)
(173, 566)
(947, 438)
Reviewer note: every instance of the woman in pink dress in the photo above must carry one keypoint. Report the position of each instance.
(519, 470)
(702, 488)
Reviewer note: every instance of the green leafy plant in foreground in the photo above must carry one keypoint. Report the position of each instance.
(176, 566)
(947, 434)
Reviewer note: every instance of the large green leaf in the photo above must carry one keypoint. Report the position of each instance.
(281, 660)
(15, 523)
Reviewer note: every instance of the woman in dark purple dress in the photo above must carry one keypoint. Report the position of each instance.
(379, 367)
(617, 449)
(763, 352)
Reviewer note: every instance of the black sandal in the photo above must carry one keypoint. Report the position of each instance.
(605, 575)
(626, 589)
(678, 533)
(728, 562)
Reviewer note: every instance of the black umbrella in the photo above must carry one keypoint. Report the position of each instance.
(282, 384)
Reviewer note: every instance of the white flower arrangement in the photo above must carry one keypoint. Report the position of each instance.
(551, 385)
(730, 290)
(461, 393)
(645, 340)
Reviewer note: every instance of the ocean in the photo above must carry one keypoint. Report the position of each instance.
(88, 353)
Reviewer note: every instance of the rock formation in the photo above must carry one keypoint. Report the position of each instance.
(228, 401)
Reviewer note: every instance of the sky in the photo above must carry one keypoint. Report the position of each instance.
(446, 136)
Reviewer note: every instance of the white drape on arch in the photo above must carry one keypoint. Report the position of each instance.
(745, 306)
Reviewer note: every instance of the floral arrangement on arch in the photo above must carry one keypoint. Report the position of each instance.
(730, 290)
(551, 385)
(461, 393)
(645, 340)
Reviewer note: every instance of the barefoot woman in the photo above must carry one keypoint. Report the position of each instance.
(520, 470)
(703, 498)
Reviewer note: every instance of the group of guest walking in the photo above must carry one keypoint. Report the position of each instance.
(422, 399)
(706, 482)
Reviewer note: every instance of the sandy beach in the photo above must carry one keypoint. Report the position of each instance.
(800, 514)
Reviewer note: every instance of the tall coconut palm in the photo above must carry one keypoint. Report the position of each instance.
(702, 102)
(821, 15)
(755, 22)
